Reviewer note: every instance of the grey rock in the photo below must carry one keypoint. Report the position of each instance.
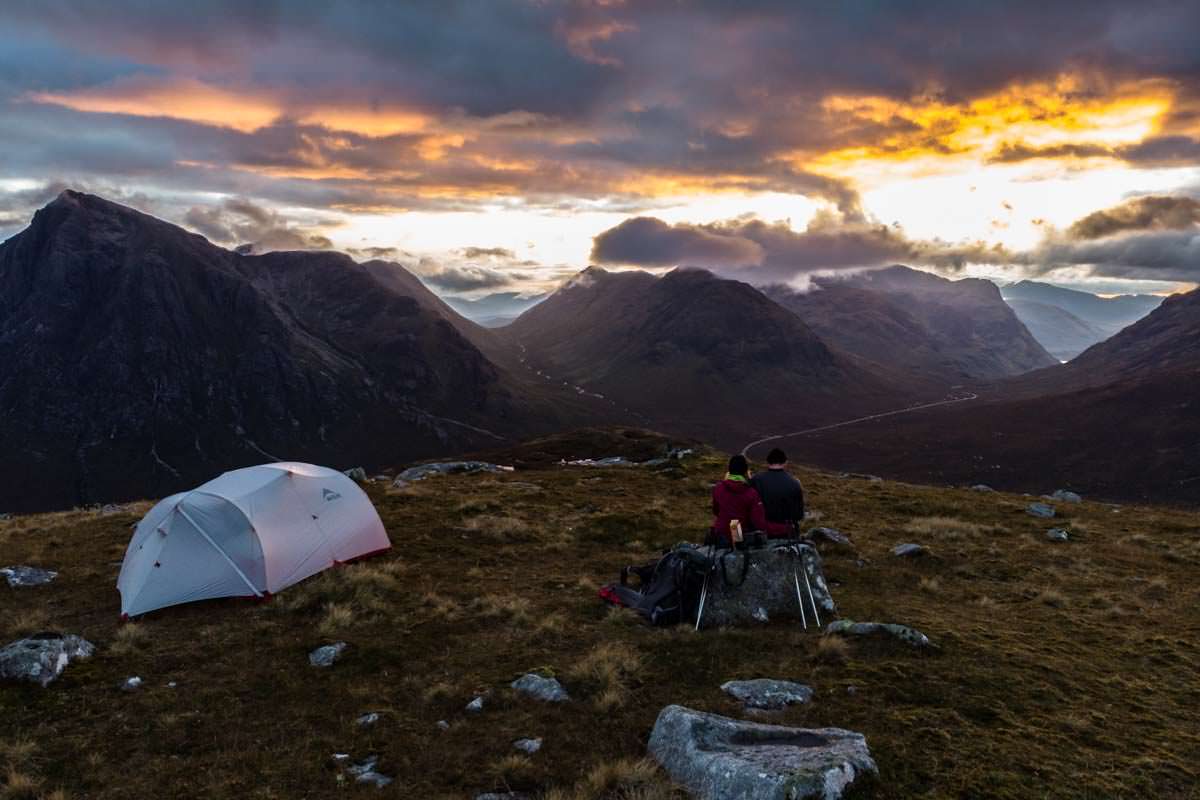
(356, 474)
(325, 655)
(443, 725)
(768, 694)
(715, 757)
(760, 615)
(1040, 510)
(609, 461)
(1064, 496)
(1058, 535)
(848, 627)
(364, 771)
(769, 587)
(109, 509)
(475, 706)
(27, 576)
(548, 690)
(908, 549)
(830, 535)
(423, 471)
(368, 719)
(982, 487)
(131, 684)
(529, 746)
(42, 657)
(5, 516)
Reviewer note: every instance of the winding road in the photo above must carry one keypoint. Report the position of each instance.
(966, 398)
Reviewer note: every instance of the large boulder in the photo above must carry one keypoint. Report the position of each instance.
(423, 471)
(548, 690)
(27, 576)
(848, 627)
(769, 590)
(716, 757)
(42, 657)
(768, 694)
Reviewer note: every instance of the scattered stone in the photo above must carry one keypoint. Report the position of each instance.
(768, 694)
(769, 586)
(4, 517)
(364, 771)
(851, 690)
(548, 690)
(325, 655)
(1064, 496)
(716, 757)
(1040, 510)
(423, 471)
(381, 478)
(443, 725)
(475, 706)
(848, 627)
(42, 657)
(368, 719)
(356, 474)
(109, 509)
(171, 684)
(830, 535)
(27, 576)
(760, 615)
(610, 461)
(131, 684)
(982, 487)
(908, 549)
(529, 746)
(1058, 535)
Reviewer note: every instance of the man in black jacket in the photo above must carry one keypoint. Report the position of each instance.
(782, 495)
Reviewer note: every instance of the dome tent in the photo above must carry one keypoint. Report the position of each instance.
(249, 532)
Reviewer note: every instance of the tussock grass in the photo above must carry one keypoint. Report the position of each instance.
(495, 525)
(129, 638)
(509, 609)
(337, 618)
(950, 528)
(607, 670)
(25, 621)
(18, 785)
(832, 650)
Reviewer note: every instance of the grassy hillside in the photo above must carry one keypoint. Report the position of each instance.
(1064, 670)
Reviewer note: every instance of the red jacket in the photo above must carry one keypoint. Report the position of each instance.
(737, 500)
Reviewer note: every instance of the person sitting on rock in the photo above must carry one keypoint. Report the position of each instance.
(734, 498)
(782, 495)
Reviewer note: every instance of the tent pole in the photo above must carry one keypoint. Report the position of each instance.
(224, 555)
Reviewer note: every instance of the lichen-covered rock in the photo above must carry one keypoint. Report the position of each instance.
(356, 474)
(982, 487)
(1062, 495)
(1040, 510)
(368, 719)
(423, 471)
(831, 535)
(27, 576)
(769, 588)
(715, 757)
(475, 706)
(848, 627)
(1058, 535)
(42, 657)
(325, 655)
(363, 771)
(529, 746)
(548, 690)
(768, 694)
(908, 549)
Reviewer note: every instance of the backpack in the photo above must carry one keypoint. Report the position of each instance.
(670, 588)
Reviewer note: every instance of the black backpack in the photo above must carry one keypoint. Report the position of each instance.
(670, 588)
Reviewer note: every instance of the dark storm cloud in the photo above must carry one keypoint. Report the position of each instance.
(462, 278)
(1149, 213)
(763, 251)
(554, 101)
(1161, 255)
(487, 252)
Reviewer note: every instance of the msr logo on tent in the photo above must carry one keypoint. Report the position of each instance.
(330, 495)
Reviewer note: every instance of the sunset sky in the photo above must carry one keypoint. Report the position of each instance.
(500, 146)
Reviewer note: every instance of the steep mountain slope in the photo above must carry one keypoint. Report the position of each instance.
(952, 331)
(1063, 334)
(1109, 314)
(694, 354)
(136, 358)
(1121, 421)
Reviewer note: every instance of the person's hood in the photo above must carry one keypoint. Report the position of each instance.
(737, 487)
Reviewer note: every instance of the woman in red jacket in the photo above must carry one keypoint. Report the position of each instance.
(734, 498)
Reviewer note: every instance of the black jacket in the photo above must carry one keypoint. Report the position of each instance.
(782, 495)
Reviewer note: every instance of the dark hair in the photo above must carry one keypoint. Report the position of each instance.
(738, 466)
(776, 456)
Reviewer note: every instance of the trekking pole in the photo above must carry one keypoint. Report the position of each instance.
(808, 585)
(800, 599)
(703, 597)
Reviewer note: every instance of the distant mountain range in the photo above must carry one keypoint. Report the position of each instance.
(1067, 321)
(951, 331)
(137, 359)
(494, 310)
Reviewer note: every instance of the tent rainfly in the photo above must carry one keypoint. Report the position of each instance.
(248, 533)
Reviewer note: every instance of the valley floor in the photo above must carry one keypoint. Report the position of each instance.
(1063, 670)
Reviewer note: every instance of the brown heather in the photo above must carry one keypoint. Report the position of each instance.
(1064, 670)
